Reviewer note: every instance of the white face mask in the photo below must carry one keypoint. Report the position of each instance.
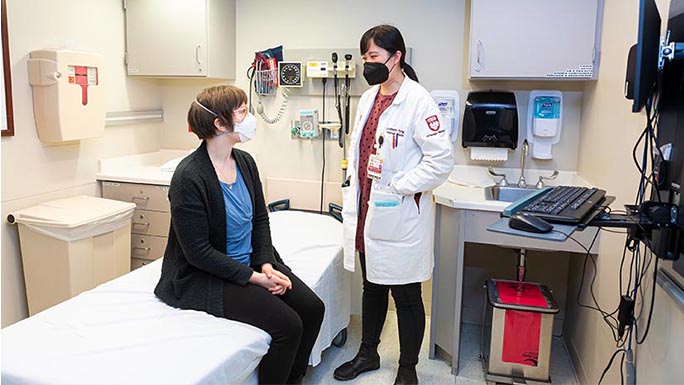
(247, 128)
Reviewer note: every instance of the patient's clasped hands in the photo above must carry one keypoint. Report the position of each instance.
(273, 280)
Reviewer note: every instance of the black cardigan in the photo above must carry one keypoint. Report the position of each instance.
(195, 263)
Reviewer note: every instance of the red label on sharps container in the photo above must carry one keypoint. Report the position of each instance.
(83, 76)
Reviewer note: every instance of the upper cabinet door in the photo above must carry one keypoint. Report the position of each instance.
(166, 38)
(535, 39)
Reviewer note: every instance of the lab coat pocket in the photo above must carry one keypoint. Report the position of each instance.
(384, 216)
(383, 223)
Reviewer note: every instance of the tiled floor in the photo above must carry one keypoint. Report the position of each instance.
(430, 372)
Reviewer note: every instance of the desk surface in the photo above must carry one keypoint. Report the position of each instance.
(559, 233)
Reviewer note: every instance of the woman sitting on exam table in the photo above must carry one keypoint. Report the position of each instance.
(219, 258)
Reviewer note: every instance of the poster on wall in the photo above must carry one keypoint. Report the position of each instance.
(6, 112)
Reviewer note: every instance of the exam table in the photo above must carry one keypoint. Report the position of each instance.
(120, 333)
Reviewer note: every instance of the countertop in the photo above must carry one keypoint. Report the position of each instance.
(141, 168)
(463, 190)
(466, 185)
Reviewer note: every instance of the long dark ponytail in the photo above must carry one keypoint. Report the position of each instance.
(388, 38)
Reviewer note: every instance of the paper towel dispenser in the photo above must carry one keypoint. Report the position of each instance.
(490, 119)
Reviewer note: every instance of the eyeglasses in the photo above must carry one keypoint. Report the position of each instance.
(240, 111)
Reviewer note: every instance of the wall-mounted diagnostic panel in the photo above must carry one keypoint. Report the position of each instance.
(290, 74)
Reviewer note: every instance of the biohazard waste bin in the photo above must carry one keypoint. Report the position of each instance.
(517, 331)
(72, 245)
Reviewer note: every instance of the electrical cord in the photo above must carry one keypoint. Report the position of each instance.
(610, 363)
(641, 340)
(281, 110)
(636, 255)
(325, 80)
(250, 75)
(622, 264)
(650, 142)
(637, 270)
(607, 317)
(612, 231)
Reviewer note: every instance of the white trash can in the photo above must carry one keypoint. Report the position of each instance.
(72, 245)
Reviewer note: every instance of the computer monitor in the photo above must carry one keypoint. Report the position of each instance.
(662, 87)
(642, 68)
(671, 116)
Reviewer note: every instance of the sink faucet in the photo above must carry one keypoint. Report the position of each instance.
(525, 149)
(503, 182)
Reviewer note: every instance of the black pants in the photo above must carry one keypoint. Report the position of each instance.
(410, 314)
(293, 320)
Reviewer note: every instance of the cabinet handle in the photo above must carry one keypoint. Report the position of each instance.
(197, 54)
(147, 249)
(480, 52)
(141, 223)
(142, 198)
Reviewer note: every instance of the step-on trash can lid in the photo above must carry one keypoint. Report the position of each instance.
(76, 217)
(523, 296)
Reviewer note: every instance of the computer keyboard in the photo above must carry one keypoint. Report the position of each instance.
(565, 204)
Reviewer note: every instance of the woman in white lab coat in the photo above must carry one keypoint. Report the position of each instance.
(398, 153)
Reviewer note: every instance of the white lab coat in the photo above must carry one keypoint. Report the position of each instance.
(418, 157)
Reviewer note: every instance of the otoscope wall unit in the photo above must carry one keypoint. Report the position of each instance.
(318, 63)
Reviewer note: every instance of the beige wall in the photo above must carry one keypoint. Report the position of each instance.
(33, 172)
(339, 26)
(609, 131)
(323, 25)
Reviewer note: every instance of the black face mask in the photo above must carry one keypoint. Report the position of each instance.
(376, 73)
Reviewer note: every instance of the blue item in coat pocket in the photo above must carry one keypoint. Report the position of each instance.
(386, 203)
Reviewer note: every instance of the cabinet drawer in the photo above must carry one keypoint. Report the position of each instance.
(145, 196)
(147, 246)
(151, 223)
(139, 262)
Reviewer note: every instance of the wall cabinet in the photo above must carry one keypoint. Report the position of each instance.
(535, 39)
(180, 38)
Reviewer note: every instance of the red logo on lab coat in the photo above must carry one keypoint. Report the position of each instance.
(433, 122)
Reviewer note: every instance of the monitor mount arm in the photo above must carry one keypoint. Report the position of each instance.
(669, 50)
(658, 225)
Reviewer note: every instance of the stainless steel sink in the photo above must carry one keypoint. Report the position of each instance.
(506, 194)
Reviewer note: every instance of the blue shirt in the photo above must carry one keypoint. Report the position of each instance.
(239, 215)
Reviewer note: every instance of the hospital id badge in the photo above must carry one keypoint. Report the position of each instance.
(375, 167)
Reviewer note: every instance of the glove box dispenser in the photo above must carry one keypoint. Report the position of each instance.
(68, 96)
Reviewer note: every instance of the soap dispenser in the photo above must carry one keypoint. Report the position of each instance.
(544, 118)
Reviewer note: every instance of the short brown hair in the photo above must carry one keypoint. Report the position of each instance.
(222, 100)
